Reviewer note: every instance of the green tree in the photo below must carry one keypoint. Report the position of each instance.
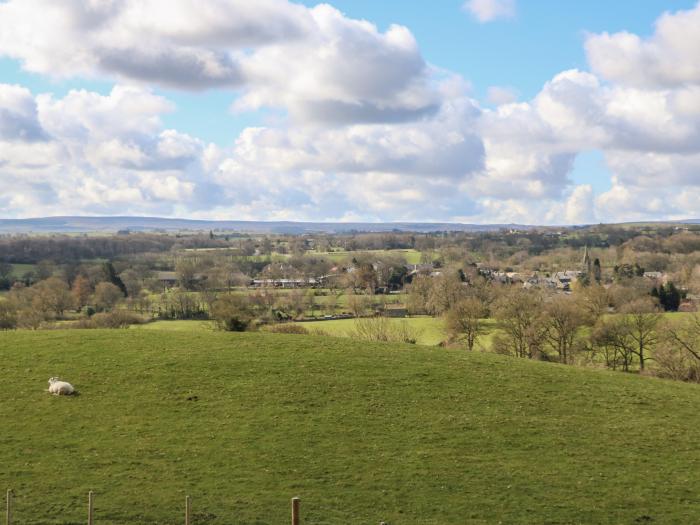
(597, 271)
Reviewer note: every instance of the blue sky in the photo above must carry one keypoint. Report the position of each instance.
(521, 52)
(544, 38)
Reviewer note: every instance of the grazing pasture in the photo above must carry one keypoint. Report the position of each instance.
(361, 432)
(411, 256)
(18, 270)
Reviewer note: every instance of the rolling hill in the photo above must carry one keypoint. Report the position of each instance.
(144, 224)
(85, 224)
(361, 432)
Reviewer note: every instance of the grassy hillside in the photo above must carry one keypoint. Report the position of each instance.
(361, 432)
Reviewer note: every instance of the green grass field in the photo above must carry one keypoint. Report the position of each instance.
(176, 326)
(411, 256)
(18, 270)
(430, 330)
(361, 432)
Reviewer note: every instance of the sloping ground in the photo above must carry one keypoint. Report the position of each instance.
(361, 432)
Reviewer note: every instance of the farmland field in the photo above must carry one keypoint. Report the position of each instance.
(430, 330)
(176, 326)
(18, 270)
(361, 432)
(411, 256)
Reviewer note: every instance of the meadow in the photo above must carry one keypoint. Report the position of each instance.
(361, 432)
(411, 256)
(429, 330)
(18, 270)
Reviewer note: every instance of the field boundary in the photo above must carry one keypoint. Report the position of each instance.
(187, 517)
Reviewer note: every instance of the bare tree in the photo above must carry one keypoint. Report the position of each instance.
(594, 301)
(186, 270)
(107, 295)
(81, 291)
(519, 315)
(611, 339)
(358, 304)
(686, 335)
(563, 318)
(52, 296)
(447, 290)
(640, 319)
(418, 293)
(8, 315)
(465, 320)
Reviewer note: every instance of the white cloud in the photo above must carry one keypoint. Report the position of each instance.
(373, 133)
(667, 59)
(182, 43)
(345, 71)
(444, 146)
(499, 95)
(313, 62)
(101, 154)
(489, 10)
(579, 208)
(18, 115)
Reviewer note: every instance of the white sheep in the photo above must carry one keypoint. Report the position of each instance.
(60, 388)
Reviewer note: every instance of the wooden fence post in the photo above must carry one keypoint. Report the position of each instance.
(8, 509)
(91, 506)
(295, 511)
(188, 509)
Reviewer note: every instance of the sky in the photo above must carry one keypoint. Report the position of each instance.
(479, 111)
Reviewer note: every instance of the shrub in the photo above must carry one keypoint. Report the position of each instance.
(233, 313)
(8, 316)
(115, 319)
(288, 329)
(30, 319)
(673, 362)
(382, 329)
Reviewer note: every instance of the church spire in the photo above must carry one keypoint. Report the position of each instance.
(586, 261)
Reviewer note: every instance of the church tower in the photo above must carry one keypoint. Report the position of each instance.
(587, 266)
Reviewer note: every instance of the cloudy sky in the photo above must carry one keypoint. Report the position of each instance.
(529, 111)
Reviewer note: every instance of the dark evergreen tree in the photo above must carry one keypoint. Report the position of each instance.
(112, 277)
(673, 298)
(597, 271)
(669, 296)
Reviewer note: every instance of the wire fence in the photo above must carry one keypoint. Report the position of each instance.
(295, 510)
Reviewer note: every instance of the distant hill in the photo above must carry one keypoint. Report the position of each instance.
(135, 224)
(151, 224)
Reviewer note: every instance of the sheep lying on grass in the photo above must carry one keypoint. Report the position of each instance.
(60, 388)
